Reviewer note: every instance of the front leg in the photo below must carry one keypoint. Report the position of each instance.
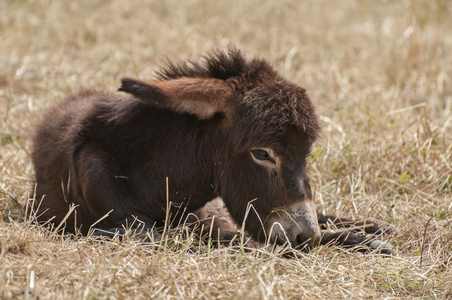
(368, 226)
(350, 238)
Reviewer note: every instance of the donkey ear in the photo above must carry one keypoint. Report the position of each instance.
(199, 96)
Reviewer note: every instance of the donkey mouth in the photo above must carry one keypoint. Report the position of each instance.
(302, 241)
(298, 225)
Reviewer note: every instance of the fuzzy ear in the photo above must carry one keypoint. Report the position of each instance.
(199, 96)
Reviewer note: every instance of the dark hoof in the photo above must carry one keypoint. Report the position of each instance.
(108, 234)
(380, 247)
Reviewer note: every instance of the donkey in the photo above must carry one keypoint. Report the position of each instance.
(222, 127)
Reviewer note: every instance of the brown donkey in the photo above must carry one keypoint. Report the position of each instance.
(223, 127)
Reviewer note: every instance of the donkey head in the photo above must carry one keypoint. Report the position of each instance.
(266, 131)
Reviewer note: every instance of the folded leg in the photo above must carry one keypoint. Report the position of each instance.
(349, 239)
(103, 193)
(367, 226)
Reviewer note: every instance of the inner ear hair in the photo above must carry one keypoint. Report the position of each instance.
(202, 97)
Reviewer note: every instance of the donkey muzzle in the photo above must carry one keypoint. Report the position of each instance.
(296, 224)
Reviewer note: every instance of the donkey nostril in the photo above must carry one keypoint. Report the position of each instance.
(302, 240)
(308, 239)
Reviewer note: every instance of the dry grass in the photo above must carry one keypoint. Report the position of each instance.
(380, 74)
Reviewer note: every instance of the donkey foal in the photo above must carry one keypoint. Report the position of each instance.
(223, 127)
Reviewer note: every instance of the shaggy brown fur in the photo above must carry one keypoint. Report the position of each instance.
(224, 127)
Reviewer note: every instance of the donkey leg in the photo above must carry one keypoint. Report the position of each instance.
(103, 192)
(368, 226)
(214, 219)
(350, 239)
(144, 234)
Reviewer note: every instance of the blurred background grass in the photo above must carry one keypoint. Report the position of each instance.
(379, 73)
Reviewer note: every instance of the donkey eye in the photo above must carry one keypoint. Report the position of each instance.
(261, 154)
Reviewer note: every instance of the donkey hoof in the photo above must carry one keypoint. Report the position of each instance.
(108, 234)
(380, 247)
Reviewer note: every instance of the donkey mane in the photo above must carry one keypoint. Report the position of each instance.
(244, 75)
(216, 64)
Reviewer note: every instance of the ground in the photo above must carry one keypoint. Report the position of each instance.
(380, 75)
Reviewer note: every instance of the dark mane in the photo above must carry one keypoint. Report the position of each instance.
(292, 107)
(217, 64)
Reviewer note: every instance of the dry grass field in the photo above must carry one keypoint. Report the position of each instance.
(380, 75)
